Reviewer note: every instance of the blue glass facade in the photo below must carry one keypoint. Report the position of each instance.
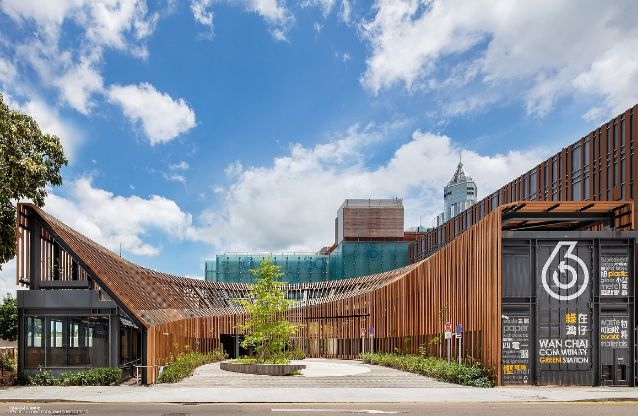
(348, 260)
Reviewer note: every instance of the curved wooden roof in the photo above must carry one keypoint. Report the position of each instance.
(156, 298)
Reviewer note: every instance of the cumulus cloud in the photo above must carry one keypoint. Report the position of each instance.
(79, 83)
(112, 220)
(161, 117)
(291, 206)
(546, 49)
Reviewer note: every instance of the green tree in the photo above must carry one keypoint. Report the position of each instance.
(9, 318)
(29, 161)
(266, 328)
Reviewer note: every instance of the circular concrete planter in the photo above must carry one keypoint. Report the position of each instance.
(264, 369)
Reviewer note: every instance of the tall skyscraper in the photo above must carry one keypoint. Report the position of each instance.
(459, 194)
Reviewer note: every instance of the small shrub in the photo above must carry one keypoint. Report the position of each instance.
(295, 354)
(8, 363)
(183, 365)
(467, 374)
(108, 376)
(20, 379)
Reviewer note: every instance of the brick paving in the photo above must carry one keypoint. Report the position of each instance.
(377, 377)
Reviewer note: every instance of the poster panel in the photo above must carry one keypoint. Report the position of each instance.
(614, 275)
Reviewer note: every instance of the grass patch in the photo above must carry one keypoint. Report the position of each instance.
(464, 374)
(183, 366)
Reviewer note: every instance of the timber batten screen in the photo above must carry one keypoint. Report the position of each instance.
(460, 283)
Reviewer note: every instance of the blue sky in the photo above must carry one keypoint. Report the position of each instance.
(208, 126)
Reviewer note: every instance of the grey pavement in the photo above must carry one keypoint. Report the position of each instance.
(323, 381)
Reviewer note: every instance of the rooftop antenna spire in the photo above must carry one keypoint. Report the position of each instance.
(460, 156)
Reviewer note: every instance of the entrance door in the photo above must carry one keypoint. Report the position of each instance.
(614, 350)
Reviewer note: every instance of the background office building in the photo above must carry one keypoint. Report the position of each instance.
(369, 239)
(458, 195)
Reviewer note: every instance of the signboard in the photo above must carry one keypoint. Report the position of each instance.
(448, 335)
(459, 329)
(363, 332)
(564, 318)
(614, 332)
(614, 275)
(371, 332)
(448, 327)
(515, 351)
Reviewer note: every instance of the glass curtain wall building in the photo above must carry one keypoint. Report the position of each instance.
(349, 259)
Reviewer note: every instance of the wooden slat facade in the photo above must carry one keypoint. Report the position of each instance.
(460, 283)
(597, 167)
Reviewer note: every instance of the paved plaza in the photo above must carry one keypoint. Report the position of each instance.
(323, 381)
(319, 373)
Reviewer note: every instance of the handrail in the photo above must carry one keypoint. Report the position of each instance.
(137, 371)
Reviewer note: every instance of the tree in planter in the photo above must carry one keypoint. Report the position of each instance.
(266, 328)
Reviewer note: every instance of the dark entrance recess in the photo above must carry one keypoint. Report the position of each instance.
(231, 344)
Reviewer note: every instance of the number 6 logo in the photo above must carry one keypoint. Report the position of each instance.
(564, 268)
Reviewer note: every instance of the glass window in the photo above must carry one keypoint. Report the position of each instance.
(586, 153)
(622, 131)
(575, 159)
(615, 136)
(586, 188)
(546, 175)
(576, 190)
(73, 341)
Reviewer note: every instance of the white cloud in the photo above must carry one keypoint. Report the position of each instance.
(291, 206)
(324, 5)
(162, 118)
(201, 13)
(274, 12)
(48, 15)
(317, 27)
(7, 70)
(79, 83)
(174, 177)
(122, 25)
(8, 279)
(343, 56)
(344, 12)
(181, 166)
(112, 220)
(51, 122)
(544, 50)
(233, 169)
